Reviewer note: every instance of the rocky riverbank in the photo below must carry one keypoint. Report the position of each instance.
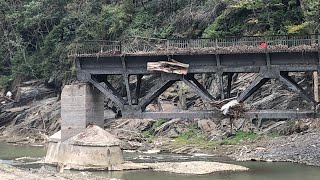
(10, 173)
(301, 145)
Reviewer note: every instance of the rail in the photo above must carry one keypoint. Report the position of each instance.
(227, 45)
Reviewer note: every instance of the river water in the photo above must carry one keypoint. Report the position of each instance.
(10, 154)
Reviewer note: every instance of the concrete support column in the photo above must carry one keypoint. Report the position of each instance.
(81, 104)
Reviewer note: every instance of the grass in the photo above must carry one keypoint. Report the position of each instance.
(238, 137)
(194, 137)
(149, 134)
(274, 135)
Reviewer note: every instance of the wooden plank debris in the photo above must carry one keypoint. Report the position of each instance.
(168, 67)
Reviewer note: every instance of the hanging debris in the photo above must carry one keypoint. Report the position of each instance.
(225, 108)
(168, 67)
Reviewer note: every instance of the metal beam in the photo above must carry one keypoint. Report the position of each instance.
(113, 90)
(279, 114)
(287, 80)
(138, 87)
(200, 86)
(154, 92)
(253, 87)
(126, 77)
(197, 90)
(220, 79)
(109, 93)
(262, 114)
(230, 75)
(179, 114)
(127, 84)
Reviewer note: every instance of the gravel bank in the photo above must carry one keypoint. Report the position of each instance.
(195, 167)
(299, 148)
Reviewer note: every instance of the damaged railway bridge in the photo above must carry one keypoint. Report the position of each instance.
(270, 57)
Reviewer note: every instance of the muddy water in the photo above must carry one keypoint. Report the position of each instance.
(258, 170)
(21, 155)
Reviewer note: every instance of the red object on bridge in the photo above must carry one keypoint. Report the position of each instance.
(263, 45)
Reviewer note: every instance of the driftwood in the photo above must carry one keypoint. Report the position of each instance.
(166, 125)
(3, 98)
(168, 67)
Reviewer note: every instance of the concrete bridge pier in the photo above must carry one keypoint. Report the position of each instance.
(81, 104)
(82, 142)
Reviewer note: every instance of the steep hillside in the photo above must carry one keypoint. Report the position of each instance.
(35, 34)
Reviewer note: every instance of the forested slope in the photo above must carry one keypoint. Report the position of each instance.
(35, 34)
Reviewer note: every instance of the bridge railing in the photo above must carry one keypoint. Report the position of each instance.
(92, 48)
(141, 45)
(245, 44)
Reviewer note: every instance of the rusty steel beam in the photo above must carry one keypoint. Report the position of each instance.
(280, 114)
(198, 88)
(261, 114)
(253, 87)
(154, 92)
(229, 86)
(138, 87)
(287, 80)
(108, 93)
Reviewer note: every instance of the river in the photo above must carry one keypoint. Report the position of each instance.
(258, 170)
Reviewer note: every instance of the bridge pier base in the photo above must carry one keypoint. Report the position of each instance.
(80, 144)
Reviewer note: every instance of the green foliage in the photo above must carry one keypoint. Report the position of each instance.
(194, 136)
(165, 31)
(5, 81)
(149, 133)
(274, 135)
(247, 4)
(35, 35)
(115, 19)
(143, 24)
(311, 14)
(228, 24)
(238, 137)
(251, 17)
(300, 28)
